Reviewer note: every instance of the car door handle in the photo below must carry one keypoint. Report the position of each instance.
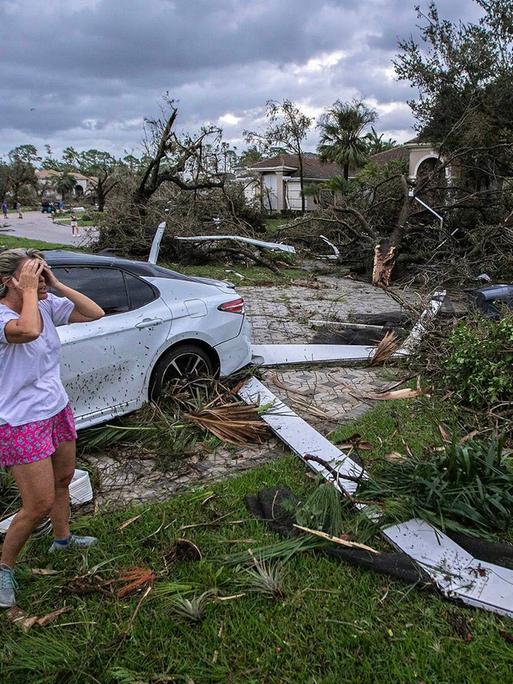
(148, 322)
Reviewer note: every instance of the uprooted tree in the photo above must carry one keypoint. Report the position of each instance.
(464, 75)
(184, 179)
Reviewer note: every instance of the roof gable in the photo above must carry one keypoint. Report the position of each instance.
(313, 167)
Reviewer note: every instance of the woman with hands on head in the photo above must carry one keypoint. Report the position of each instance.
(37, 430)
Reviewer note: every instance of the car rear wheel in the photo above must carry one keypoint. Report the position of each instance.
(178, 367)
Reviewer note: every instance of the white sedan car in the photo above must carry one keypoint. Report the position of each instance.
(159, 326)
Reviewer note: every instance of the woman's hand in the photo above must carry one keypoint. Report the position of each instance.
(50, 279)
(28, 280)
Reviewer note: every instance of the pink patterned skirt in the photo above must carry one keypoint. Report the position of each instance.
(35, 441)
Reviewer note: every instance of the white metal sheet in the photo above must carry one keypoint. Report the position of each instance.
(299, 435)
(444, 560)
(275, 246)
(289, 354)
(155, 245)
(456, 572)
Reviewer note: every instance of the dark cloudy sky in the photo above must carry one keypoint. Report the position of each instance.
(86, 72)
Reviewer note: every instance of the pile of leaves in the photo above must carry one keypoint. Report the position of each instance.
(462, 488)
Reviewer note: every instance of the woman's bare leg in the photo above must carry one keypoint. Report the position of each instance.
(35, 482)
(63, 468)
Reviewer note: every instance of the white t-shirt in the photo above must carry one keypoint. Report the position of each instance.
(30, 377)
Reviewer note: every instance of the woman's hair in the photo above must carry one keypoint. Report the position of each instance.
(10, 259)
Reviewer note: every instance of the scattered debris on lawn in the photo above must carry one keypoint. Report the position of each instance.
(130, 581)
(44, 572)
(129, 522)
(405, 393)
(24, 621)
(356, 441)
(321, 510)
(125, 583)
(456, 572)
(192, 609)
(232, 423)
(336, 540)
(265, 577)
(182, 550)
(460, 625)
(283, 550)
(385, 349)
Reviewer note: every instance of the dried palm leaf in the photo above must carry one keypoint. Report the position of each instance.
(132, 580)
(233, 423)
(385, 349)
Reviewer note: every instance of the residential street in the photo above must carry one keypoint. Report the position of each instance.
(38, 226)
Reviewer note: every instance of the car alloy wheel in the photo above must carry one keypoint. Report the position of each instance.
(179, 367)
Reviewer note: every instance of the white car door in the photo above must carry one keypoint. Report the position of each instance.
(104, 363)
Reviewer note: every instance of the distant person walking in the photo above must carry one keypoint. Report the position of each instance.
(4, 209)
(18, 209)
(74, 225)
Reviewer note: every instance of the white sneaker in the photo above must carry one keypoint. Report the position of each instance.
(7, 586)
(74, 542)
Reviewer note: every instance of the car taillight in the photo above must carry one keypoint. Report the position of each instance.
(233, 306)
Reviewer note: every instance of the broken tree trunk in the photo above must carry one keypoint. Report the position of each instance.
(385, 252)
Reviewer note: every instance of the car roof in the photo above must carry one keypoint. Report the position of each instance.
(61, 257)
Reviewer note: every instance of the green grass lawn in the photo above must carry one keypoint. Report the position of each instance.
(253, 275)
(10, 242)
(256, 275)
(81, 222)
(272, 225)
(336, 623)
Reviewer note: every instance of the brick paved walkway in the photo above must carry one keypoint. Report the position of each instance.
(324, 396)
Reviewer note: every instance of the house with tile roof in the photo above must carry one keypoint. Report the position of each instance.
(84, 186)
(421, 157)
(274, 183)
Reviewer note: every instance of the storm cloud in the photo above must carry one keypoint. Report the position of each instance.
(86, 72)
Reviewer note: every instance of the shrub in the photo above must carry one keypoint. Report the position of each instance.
(478, 366)
(464, 488)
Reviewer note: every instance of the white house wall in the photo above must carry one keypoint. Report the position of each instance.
(293, 195)
(270, 192)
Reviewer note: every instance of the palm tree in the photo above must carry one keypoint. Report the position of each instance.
(64, 184)
(342, 138)
(375, 142)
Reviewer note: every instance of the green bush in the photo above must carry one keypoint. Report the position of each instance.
(464, 488)
(478, 366)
